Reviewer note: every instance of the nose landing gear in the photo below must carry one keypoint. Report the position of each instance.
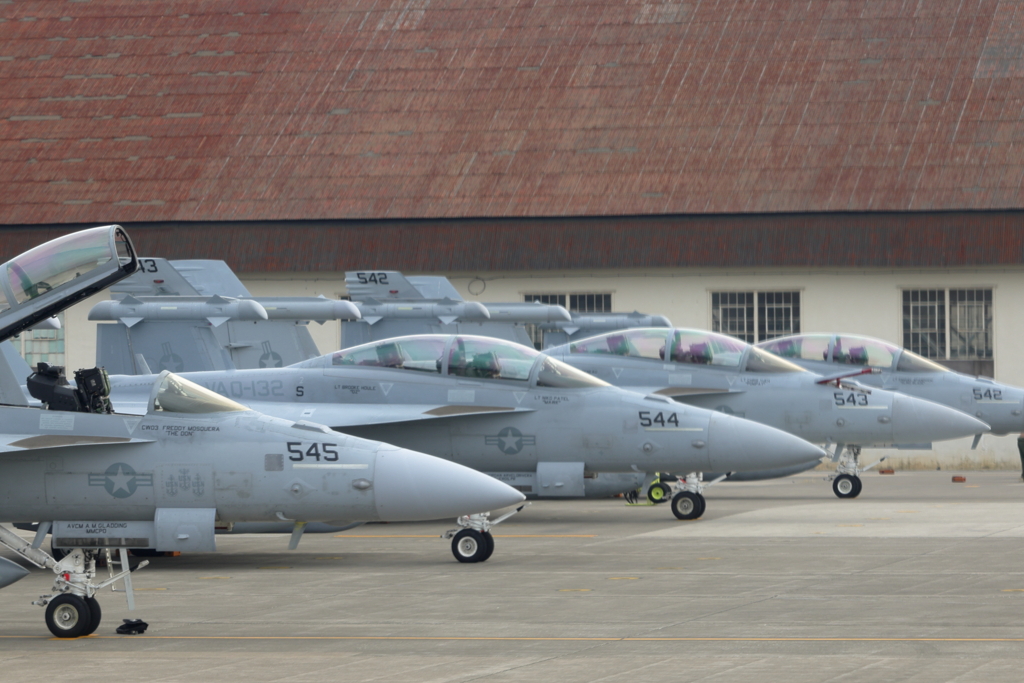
(846, 481)
(472, 540)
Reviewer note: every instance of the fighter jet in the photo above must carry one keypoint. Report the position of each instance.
(105, 482)
(504, 409)
(878, 363)
(722, 373)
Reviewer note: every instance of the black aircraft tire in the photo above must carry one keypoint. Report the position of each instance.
(68, 616)
(703, 505)
(469, 546)
(97, 615)
(847, 486)
(658, 493)
(489, 540)
(687, 505)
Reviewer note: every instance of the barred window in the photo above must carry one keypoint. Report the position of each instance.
(952, 326)
(970, 324)
(778, 314)
(924, 322)
(590, 303)
(775, 315)
(42, 346)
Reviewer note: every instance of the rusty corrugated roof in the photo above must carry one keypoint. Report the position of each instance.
(824, 240)
(220, 110)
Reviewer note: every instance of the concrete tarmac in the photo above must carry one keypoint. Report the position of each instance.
(919, 579)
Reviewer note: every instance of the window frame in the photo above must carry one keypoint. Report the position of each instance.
(755, 323)
(947, 359)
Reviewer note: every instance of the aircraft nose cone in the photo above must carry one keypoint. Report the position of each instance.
(411, 486)
(10, 572)
(915, 420)
(740, 445)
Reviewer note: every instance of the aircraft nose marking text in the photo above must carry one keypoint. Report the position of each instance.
(510, 440)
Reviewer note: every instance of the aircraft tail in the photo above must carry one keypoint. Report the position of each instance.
(382, 285)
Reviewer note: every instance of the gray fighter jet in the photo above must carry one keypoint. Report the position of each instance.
(722, 373)
(878, 363)
(104, 482)
(505, 409)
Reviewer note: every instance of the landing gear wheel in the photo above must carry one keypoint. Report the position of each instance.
(469, 545)
(68, 616)
(658, 493)
(846, 486)
(688, 505)
(97, 615)
(489, 540)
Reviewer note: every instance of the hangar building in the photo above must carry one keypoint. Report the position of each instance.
(754, 167)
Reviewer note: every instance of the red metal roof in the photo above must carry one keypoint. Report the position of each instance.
(238, 110)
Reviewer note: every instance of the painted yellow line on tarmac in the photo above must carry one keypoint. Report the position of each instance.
(606, 639)
(495, 535)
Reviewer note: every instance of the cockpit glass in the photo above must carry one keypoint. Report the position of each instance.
(760, 360)
(178, 395)
(484, 358)
(804, 347)
(407, 353)
(706, 348)
(863, 351)
(911, 362)
(61, 260)
(640, 343)
(555, 373)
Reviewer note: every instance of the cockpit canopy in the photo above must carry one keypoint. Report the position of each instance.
(174, 394)
(696, 347)
(849, 349)
(465, 356)
(45, 280)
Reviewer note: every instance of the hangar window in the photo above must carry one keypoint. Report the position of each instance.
(951, 326)
(42, 345)
(775, 314)
(577, 303)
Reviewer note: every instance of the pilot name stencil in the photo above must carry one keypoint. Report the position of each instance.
(553, 400)
(121, 480)
(354, 388)
(188, 430)
(510, 440)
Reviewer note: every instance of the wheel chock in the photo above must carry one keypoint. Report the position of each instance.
(132, 627)
(959, 478)
(887, 470)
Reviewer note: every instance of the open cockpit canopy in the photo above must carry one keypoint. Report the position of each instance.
(45, 280)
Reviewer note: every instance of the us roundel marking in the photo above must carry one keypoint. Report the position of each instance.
(510, 440)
